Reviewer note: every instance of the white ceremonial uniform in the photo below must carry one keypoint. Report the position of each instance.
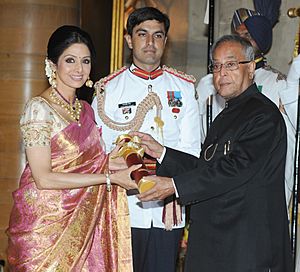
(273, 85)
(180, 114)
(289, 96)
(291, 103)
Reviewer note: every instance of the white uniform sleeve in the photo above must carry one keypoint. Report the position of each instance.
(94, 106)
(189, 130)
(289, 96)
(204, 89)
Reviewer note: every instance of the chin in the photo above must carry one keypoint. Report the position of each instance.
(77, 85)
(222, 93)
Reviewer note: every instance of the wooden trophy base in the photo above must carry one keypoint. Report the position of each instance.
(145, 185)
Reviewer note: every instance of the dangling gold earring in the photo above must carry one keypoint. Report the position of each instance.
(52, 79)
(89, 83)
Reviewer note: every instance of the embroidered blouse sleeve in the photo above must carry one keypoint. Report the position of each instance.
(36, 124)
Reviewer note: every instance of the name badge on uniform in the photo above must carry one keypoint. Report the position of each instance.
(126, 108)
(126, 104)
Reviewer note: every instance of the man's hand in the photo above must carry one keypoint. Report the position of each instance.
(162, 189)
(151, 147)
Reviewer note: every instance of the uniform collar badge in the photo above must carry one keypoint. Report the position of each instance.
(147, 75)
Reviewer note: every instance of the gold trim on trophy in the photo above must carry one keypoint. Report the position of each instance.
(133, 154)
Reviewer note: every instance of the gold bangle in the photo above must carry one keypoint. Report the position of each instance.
(108, 182)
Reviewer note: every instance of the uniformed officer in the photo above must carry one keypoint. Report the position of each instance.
(258, 30)
(160, 101)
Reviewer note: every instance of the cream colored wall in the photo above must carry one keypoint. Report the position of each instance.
(284, 34)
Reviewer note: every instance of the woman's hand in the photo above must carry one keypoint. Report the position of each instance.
(123, 179)
(116, 163)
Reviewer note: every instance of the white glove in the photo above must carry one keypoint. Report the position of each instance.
(205, 88)
(294, 73)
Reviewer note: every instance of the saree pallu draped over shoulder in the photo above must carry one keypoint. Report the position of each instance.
(84, 229)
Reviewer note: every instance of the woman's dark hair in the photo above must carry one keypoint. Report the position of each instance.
(64, 37)
(144, 14)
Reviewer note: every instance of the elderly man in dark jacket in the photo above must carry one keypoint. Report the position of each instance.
(236, 188)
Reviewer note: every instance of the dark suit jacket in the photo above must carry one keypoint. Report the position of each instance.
(236, 190)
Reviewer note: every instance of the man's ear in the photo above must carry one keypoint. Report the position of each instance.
(251, 67)
(128, 40)
(166, 41)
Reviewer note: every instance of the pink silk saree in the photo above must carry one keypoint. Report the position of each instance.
(85, 229)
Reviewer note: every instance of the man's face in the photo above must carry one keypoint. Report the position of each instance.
(228, 83)
(243, 32)
(147, 42)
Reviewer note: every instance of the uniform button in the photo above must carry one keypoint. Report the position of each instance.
(152, 128)
(126, 117)
(175, 116)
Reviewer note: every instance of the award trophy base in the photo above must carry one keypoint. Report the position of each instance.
(145, 185)
(133, 154)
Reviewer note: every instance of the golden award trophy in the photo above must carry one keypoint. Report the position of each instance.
(133, 154)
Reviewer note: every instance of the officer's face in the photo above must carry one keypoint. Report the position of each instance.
(229, 83)
(147, 42)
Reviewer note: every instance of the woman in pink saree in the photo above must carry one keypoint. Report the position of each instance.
(66, 215)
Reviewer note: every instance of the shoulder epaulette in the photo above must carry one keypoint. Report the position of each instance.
(179, 74)
(100, 84)
(280, 76)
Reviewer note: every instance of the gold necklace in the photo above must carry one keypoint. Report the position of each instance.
(72, 109)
